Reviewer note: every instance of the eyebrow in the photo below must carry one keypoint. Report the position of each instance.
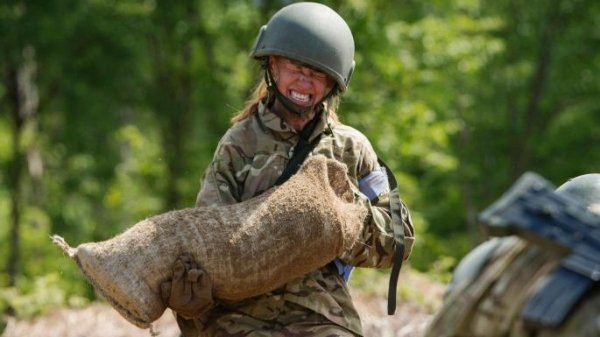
(302, 64)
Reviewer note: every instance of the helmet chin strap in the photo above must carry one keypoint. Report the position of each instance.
(286, 102)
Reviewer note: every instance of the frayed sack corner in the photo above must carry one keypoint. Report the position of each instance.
(153, 332)
(60, 242)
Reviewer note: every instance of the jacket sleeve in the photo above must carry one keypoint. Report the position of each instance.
(376, 246)
(219, 185)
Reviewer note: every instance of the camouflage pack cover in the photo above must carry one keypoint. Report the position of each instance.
(542, 281)
(489, 305)
(247, 248)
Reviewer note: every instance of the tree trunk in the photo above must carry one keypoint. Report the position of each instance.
(22, 96)
(172, 96)
(537, 86)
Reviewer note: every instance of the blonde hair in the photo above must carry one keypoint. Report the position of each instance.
(261, 93)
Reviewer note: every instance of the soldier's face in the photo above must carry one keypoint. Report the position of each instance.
(299, 83)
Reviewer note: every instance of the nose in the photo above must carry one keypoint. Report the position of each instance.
(307, 71)
(306, 74)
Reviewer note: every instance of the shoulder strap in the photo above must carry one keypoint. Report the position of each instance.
(398, 227)
(301, 151)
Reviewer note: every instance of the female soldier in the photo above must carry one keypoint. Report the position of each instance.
(307, 51)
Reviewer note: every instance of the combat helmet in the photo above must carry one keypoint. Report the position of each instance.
(313, 34)
(585, 188)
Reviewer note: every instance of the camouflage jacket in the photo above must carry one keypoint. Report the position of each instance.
(249, 159)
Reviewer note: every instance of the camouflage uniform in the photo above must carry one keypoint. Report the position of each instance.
(503, 275)
(248, 160)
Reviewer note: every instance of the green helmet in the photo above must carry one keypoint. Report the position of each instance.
(585, 188)
(310, 33)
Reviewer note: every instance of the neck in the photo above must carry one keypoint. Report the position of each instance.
(297, 122)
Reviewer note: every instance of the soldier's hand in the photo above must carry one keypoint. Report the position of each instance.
(189, 292)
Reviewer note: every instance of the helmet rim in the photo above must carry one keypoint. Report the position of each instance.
(322, 40)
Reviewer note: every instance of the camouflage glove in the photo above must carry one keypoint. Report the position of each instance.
(189, 292)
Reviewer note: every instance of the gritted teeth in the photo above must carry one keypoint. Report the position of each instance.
(299, 97)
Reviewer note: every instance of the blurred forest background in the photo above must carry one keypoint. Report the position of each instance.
(111, 110)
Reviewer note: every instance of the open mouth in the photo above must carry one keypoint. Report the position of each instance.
(300, 99)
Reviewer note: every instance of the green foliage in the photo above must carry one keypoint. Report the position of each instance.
(131, 97)
(39, 296)
(133, 193)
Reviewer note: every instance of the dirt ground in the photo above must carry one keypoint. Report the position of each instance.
(412, 316)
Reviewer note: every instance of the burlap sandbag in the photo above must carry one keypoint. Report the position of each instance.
(247, 248)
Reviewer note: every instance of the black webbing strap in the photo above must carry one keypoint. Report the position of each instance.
(301, 151)
(398, 227)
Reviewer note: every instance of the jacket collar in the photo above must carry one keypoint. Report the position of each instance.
(279, 127)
